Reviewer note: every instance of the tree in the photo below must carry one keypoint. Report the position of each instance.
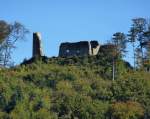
(147, 47)
(119, 42)
(9, 35)
(140, 27)
(4, 30)
(138, 58)
(136, 36)
(132, 38)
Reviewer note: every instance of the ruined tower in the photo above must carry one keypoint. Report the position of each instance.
(37, 48)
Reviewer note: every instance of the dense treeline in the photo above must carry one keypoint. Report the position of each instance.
(77, 87)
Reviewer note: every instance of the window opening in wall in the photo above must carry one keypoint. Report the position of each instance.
(67, 51)
(78, 51)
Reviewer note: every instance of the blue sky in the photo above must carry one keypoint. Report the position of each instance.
(70, 20)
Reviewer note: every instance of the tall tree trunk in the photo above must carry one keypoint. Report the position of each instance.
(113, 70)
(142, 56)
(133, 45)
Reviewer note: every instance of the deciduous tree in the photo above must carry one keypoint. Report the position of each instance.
(9, 35)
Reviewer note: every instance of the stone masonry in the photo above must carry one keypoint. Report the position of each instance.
(37, 48)
(82, 48)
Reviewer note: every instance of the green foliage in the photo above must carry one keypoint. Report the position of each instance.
(128, 110)
(76, 89)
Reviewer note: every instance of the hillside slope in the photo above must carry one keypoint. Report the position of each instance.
(73, 88)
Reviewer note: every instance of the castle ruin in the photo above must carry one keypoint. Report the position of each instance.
(82, 48)
(67, 49)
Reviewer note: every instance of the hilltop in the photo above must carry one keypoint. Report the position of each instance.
(73, 88)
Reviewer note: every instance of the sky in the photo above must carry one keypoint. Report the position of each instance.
(70, 21)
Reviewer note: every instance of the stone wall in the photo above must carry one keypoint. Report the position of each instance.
(108, 49)
(82, 48)
(94, 47)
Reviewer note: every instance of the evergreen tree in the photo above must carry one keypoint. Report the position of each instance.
(119, 42)
(136, 36)
(132, 38)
